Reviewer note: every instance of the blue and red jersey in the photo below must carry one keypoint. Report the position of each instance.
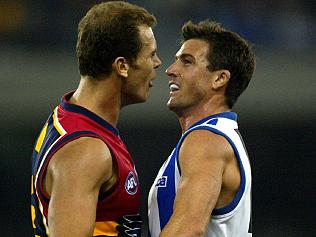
(67, 123)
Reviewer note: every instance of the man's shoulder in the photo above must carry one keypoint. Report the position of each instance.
(208, 143)
(81, 149)
(87, 157)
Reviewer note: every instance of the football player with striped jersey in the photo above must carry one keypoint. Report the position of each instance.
(204, 187)
(84, 182)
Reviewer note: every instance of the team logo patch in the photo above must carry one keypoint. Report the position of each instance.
(131, 185)
(162, 182)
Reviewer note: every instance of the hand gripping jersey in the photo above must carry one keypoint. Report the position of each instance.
(233, 220)
(67, 123)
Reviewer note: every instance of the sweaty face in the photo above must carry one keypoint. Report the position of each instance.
(189, 77)
(142, 73)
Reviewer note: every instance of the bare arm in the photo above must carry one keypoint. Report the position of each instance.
(73, 180)
(203, 158)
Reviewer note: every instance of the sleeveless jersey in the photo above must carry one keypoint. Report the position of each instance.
(67, 123)
(231, 220)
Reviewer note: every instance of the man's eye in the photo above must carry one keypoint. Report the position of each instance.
(185, 61)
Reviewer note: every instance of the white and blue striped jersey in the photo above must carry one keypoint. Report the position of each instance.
(233, 220)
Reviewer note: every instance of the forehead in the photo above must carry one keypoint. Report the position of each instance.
(197, 48)
(147, 37)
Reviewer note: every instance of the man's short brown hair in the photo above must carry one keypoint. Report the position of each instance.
(110, 30)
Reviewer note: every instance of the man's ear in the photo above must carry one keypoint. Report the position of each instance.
(221, 79)
(120, 66)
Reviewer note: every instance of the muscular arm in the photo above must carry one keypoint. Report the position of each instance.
(73, 180)
(203, 157)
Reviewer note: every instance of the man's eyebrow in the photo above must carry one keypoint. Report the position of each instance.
(185, 55)
(153, 51)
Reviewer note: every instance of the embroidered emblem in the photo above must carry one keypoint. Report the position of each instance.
(131, 185)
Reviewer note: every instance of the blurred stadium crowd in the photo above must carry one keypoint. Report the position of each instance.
(288, 24)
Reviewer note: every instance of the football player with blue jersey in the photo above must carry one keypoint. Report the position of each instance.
(204, 187)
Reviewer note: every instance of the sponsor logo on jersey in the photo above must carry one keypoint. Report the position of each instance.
(162, 182)
(131, 185)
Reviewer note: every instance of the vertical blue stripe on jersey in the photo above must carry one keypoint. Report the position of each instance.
(51, 136)
(166, 195)
(38, 222)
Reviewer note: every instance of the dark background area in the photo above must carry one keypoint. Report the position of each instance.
(277, 113)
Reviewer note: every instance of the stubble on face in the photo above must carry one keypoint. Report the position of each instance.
(190, 72)
(142, 72)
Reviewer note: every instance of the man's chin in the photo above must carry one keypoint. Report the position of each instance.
(140, 99)
(135, 100)
(171, 106)
(176, 108)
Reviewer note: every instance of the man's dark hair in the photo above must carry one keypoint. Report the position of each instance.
(110, 30)
(227, 50)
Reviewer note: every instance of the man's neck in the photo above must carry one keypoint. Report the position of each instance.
(191, 116)
(101, 97)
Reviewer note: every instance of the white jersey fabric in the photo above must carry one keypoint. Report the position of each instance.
(233, 220)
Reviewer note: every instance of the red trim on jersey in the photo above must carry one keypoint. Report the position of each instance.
(123, 198)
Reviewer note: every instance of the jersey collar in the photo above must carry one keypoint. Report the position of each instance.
(81, 110)
(228, 115)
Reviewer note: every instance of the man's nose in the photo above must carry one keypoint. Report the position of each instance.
(170, 71)
(157, 62)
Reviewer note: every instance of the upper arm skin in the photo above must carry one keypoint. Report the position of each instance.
(73, 180)
(203, 157)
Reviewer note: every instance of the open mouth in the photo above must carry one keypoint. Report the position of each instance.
(173, 87)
